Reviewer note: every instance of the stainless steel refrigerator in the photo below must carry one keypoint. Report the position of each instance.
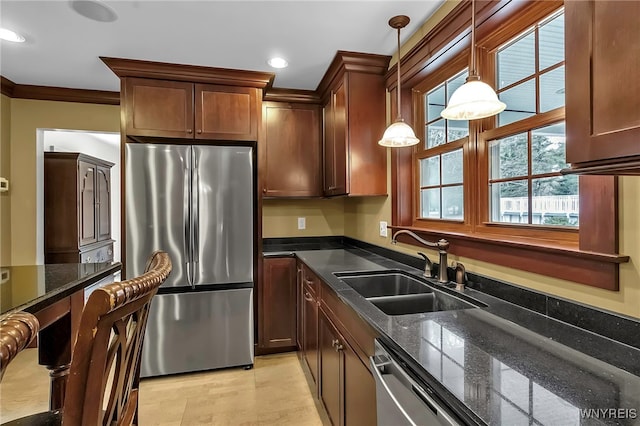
(196, 203)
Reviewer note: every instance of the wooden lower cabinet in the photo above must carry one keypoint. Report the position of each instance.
(331, 368)
(310, 333)
(278, 303)
(359, 391)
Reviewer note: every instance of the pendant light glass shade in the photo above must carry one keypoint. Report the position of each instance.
(473, 100)
(398, 134)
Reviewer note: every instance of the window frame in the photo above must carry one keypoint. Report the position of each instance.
(589, 258)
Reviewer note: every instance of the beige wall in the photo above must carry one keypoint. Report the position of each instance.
(323, 217)
(5, 172)
(26, 117)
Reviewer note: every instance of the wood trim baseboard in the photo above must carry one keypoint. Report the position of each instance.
(61, 94)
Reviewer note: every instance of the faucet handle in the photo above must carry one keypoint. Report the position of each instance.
(427, 265)
(461, 275)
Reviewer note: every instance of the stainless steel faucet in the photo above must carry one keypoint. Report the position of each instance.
(442, 246)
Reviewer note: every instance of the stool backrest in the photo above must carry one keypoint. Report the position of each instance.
(102, 388)
(17, 330)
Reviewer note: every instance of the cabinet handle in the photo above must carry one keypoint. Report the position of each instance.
(334, 342)
(264, 190)
(308, 297)
(331, 188)
(339, 347)
(310, 282)
(199, 131)
(88, 259)
(189, 131)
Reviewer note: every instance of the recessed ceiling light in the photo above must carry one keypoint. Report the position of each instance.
(94, 9)
(278, 63)
(8, 35)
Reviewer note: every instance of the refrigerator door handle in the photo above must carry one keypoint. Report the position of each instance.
(195, 216)
(187, 222)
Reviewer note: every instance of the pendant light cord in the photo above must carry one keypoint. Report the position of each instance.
(473, 39)
(399, 91)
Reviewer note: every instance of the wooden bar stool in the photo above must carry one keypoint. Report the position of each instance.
(102, 388)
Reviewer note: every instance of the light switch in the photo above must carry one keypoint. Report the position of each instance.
(302, 223)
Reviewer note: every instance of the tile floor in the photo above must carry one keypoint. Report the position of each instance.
(274, 392)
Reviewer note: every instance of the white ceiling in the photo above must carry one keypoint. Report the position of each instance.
(63, 47)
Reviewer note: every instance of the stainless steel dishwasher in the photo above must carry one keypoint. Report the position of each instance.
(400, 399)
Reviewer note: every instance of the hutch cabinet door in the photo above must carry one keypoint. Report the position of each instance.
(158, 108)
(103, 202)
(86, 186)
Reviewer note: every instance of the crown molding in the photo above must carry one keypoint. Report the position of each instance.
(62, 94)
(352, 61)
(292, 95)
(190, 73)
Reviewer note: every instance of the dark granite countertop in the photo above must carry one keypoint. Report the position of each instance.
(497, 365)
(33, 287)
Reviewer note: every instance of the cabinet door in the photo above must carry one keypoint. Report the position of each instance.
(341, 183)
(310, 342)
(226, 112)
(603, 88)
(278, 302)
(103, 202)
(299, 307)
(158, 108)
(359, 391)
(292, 150)
(330, 369)
(329, 148)
(86, 192)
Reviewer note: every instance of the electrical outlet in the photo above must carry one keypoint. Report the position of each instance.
(302, 223)
(383, 228)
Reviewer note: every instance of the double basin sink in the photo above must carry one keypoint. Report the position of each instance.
(399, 293)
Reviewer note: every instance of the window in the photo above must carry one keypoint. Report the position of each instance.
(440, 162)
(493, 187)
(525, 184)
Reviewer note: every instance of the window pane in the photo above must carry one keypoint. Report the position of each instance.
(430, 203)
(508, 157)
(452, 203)
(435, 134)
(552, 89)
(435, 103)
(551, 42)
(548, 149)
(430, 171)
(521, 102)
(452, 167)
(455, 82)
(509, 202)
(555, 201)
(457, 129)
(516, 61)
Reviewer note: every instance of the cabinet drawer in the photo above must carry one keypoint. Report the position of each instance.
(100, 254)
(310, 280)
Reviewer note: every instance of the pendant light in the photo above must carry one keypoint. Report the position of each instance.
(474, 99)
(398, 134)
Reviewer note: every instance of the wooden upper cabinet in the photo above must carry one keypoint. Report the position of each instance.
(354, 96)
(87, 213)
(226, 112)
(103, 203)
(175, 109)
(158, 108)
(292, 150)
(602, 86)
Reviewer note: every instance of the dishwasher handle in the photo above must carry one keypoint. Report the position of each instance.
(400, 400)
